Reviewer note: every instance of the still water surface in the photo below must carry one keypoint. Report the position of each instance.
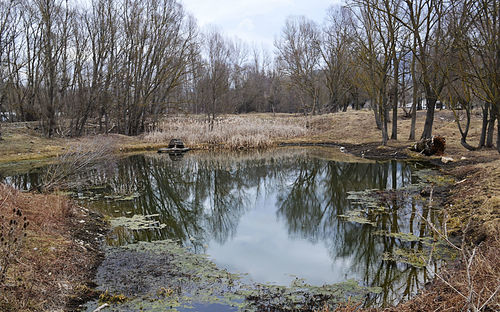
(274, 216)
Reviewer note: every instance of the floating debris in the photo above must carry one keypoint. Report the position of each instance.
(415, 258)
(407, 237)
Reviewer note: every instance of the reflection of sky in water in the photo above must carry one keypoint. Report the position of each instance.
(263, 248)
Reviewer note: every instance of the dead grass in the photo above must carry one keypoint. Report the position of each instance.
(485, 275)
(51, 265)
(22, 142)
(233, 132)
(475, 200)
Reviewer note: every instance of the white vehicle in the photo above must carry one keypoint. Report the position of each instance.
(423, 103)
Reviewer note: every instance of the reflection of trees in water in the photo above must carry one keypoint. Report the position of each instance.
(318, 195)
(199, 199)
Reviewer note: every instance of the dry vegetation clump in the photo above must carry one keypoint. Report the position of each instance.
(232, 132)
(471, 285)
(76, 159)
(50, 266)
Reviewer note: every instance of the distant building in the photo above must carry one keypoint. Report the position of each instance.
(422, 105)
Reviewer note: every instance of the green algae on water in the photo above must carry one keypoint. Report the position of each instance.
(356, 216)
(168, 277)
(432, 176)
(415, 258)
(407, 237)
(138, 222)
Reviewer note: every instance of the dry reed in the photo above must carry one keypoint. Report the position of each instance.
(232, 132)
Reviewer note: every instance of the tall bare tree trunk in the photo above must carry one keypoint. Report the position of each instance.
(482, 140)
(491, 128)
(378, 120)
(385, 134)
(414, 95)
(395, 98)
(498, 136)
(429, 118)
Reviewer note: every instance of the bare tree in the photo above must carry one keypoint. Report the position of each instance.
(484, 58)
(53, 22)
(153, 59)
(377, 45)
(8, 33)
(424, 19)
(217, 77)
(336, 50)
(298, 57)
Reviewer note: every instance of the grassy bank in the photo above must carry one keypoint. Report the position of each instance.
(49, 251)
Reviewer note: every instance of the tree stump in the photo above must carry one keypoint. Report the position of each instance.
(433, 146)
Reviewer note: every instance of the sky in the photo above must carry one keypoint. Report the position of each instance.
(257, 22)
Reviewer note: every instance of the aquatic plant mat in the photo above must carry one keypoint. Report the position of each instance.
(160, 275)
(421, 200)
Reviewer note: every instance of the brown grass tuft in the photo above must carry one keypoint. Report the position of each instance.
(51, 264)
(232, 132)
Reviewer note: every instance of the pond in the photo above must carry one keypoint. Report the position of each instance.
(273, 219)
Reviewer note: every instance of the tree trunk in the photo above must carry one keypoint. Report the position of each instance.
(384, 115)
(385, 136)
(482, 140)
(413, 120)
(378, 121)
(51, 116)
(394, 135)
(491, 128)
(395, 100)
(385, 132)
(498, 136)
(414, 98)
(429, 118)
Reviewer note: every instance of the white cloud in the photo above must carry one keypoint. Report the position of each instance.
(212, 12)
(255, 21)
(246, 25)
